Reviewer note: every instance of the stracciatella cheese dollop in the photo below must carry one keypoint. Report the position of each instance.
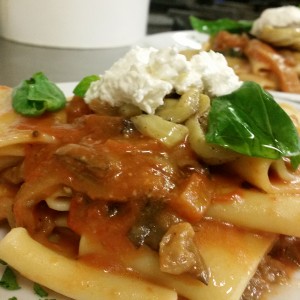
(284, 16)
(144, 76)
(279, 26)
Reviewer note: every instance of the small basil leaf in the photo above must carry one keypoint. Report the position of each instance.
(39, 290)
(81, 88)
(2, 262)
(9, 280)
(295, 161)
(213, 27)
(249, 121)
(37, 95)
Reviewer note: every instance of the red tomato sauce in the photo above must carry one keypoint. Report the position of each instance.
(114, 172)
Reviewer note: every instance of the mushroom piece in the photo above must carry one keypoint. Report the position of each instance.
(179, 253)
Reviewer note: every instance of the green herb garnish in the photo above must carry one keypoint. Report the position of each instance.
(213, 27)
(295, 161)
(39, 290)
(13, 298)
(9, 280)
(84, 85)
(2, 262)
(249, 121)
(37, 95)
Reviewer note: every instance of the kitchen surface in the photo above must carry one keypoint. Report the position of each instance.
(19, 61)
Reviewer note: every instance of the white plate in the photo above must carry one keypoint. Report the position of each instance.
(67, 87)
(290, 97)
(183, 39)
(291, 292)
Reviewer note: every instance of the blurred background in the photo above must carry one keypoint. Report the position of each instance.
(19, 61)
(168, 15)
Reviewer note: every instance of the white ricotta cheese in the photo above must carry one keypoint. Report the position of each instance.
(217, 77)
(144, 76)
(284, 16)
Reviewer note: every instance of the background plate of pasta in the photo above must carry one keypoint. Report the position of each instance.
(166, 177)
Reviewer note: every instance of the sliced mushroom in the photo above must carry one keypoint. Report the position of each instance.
(179, 254)
(83, 160)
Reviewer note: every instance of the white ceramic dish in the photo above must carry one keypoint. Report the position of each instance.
(89, 24)
(286, 97)
(291, 292)
(183, 39)
(67, 87)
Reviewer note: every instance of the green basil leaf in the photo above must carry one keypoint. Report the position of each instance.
(2, 262)
(81, 88)
(213, 27)
(9, 280)
(295, 161)
(249, 121)
(37, 95)
(39, 290)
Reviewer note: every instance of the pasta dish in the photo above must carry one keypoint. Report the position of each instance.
(265, 50)
(253, 59)
(136, 201)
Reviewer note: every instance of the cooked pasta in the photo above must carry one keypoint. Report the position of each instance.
(120, 204)
(254, 59)
(86, 282)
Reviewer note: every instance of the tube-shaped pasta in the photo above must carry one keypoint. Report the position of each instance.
(73, 278)
(13, 150)
(272, 176)
(258, 51)
(23, 137)
(168, 133)
(7, 195)
(257, 210)
(293, 114)
(178, 111)
(231, 267)
(211, 154)
(60, 200)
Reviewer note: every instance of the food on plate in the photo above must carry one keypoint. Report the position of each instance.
(163, 178)
(279, 26)
(265, 50)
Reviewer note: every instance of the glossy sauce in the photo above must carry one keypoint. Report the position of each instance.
(115, 175)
